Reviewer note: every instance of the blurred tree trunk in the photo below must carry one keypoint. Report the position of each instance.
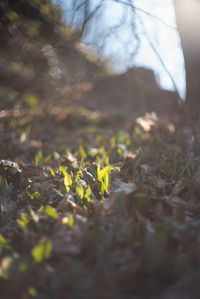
(188, 22)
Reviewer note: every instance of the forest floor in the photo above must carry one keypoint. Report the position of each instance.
(98, 205)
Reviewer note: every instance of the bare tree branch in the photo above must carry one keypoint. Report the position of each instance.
(160, 60)
(145, 12)
(89, 17)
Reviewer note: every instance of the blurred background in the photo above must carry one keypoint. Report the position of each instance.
(100, 54)
(45, 46)
(133, 33)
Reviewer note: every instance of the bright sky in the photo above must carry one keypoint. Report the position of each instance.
(167, 42)
(119, 46)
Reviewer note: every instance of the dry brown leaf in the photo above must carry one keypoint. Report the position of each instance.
(159, 182)
(68, 204)
(145, 167)
(127, 188)
(71, 159)
(179, 187)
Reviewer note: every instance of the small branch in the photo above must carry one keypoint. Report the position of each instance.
(161, 61)
(145, 12)
(88, 18)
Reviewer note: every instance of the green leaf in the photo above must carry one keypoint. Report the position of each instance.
(32, 291)
(35, 195)
(46, 159)
(106, 181)
(83, 152)
(2, 240)
(41, 251)
(25, 218)
(88, 192)
(63, 170)
(51, 212)
(38, 158)
(79, 191)
(31, 100)
(23, 222)
(98, 171)
(104, 177)
(23, 267)
(41, 209)
(137, 131)
(77, 178)
(3, 243)
(22, 225)
(33, 215)
(70, 221)
(52, 173)
(102, 173)
(67, 181)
